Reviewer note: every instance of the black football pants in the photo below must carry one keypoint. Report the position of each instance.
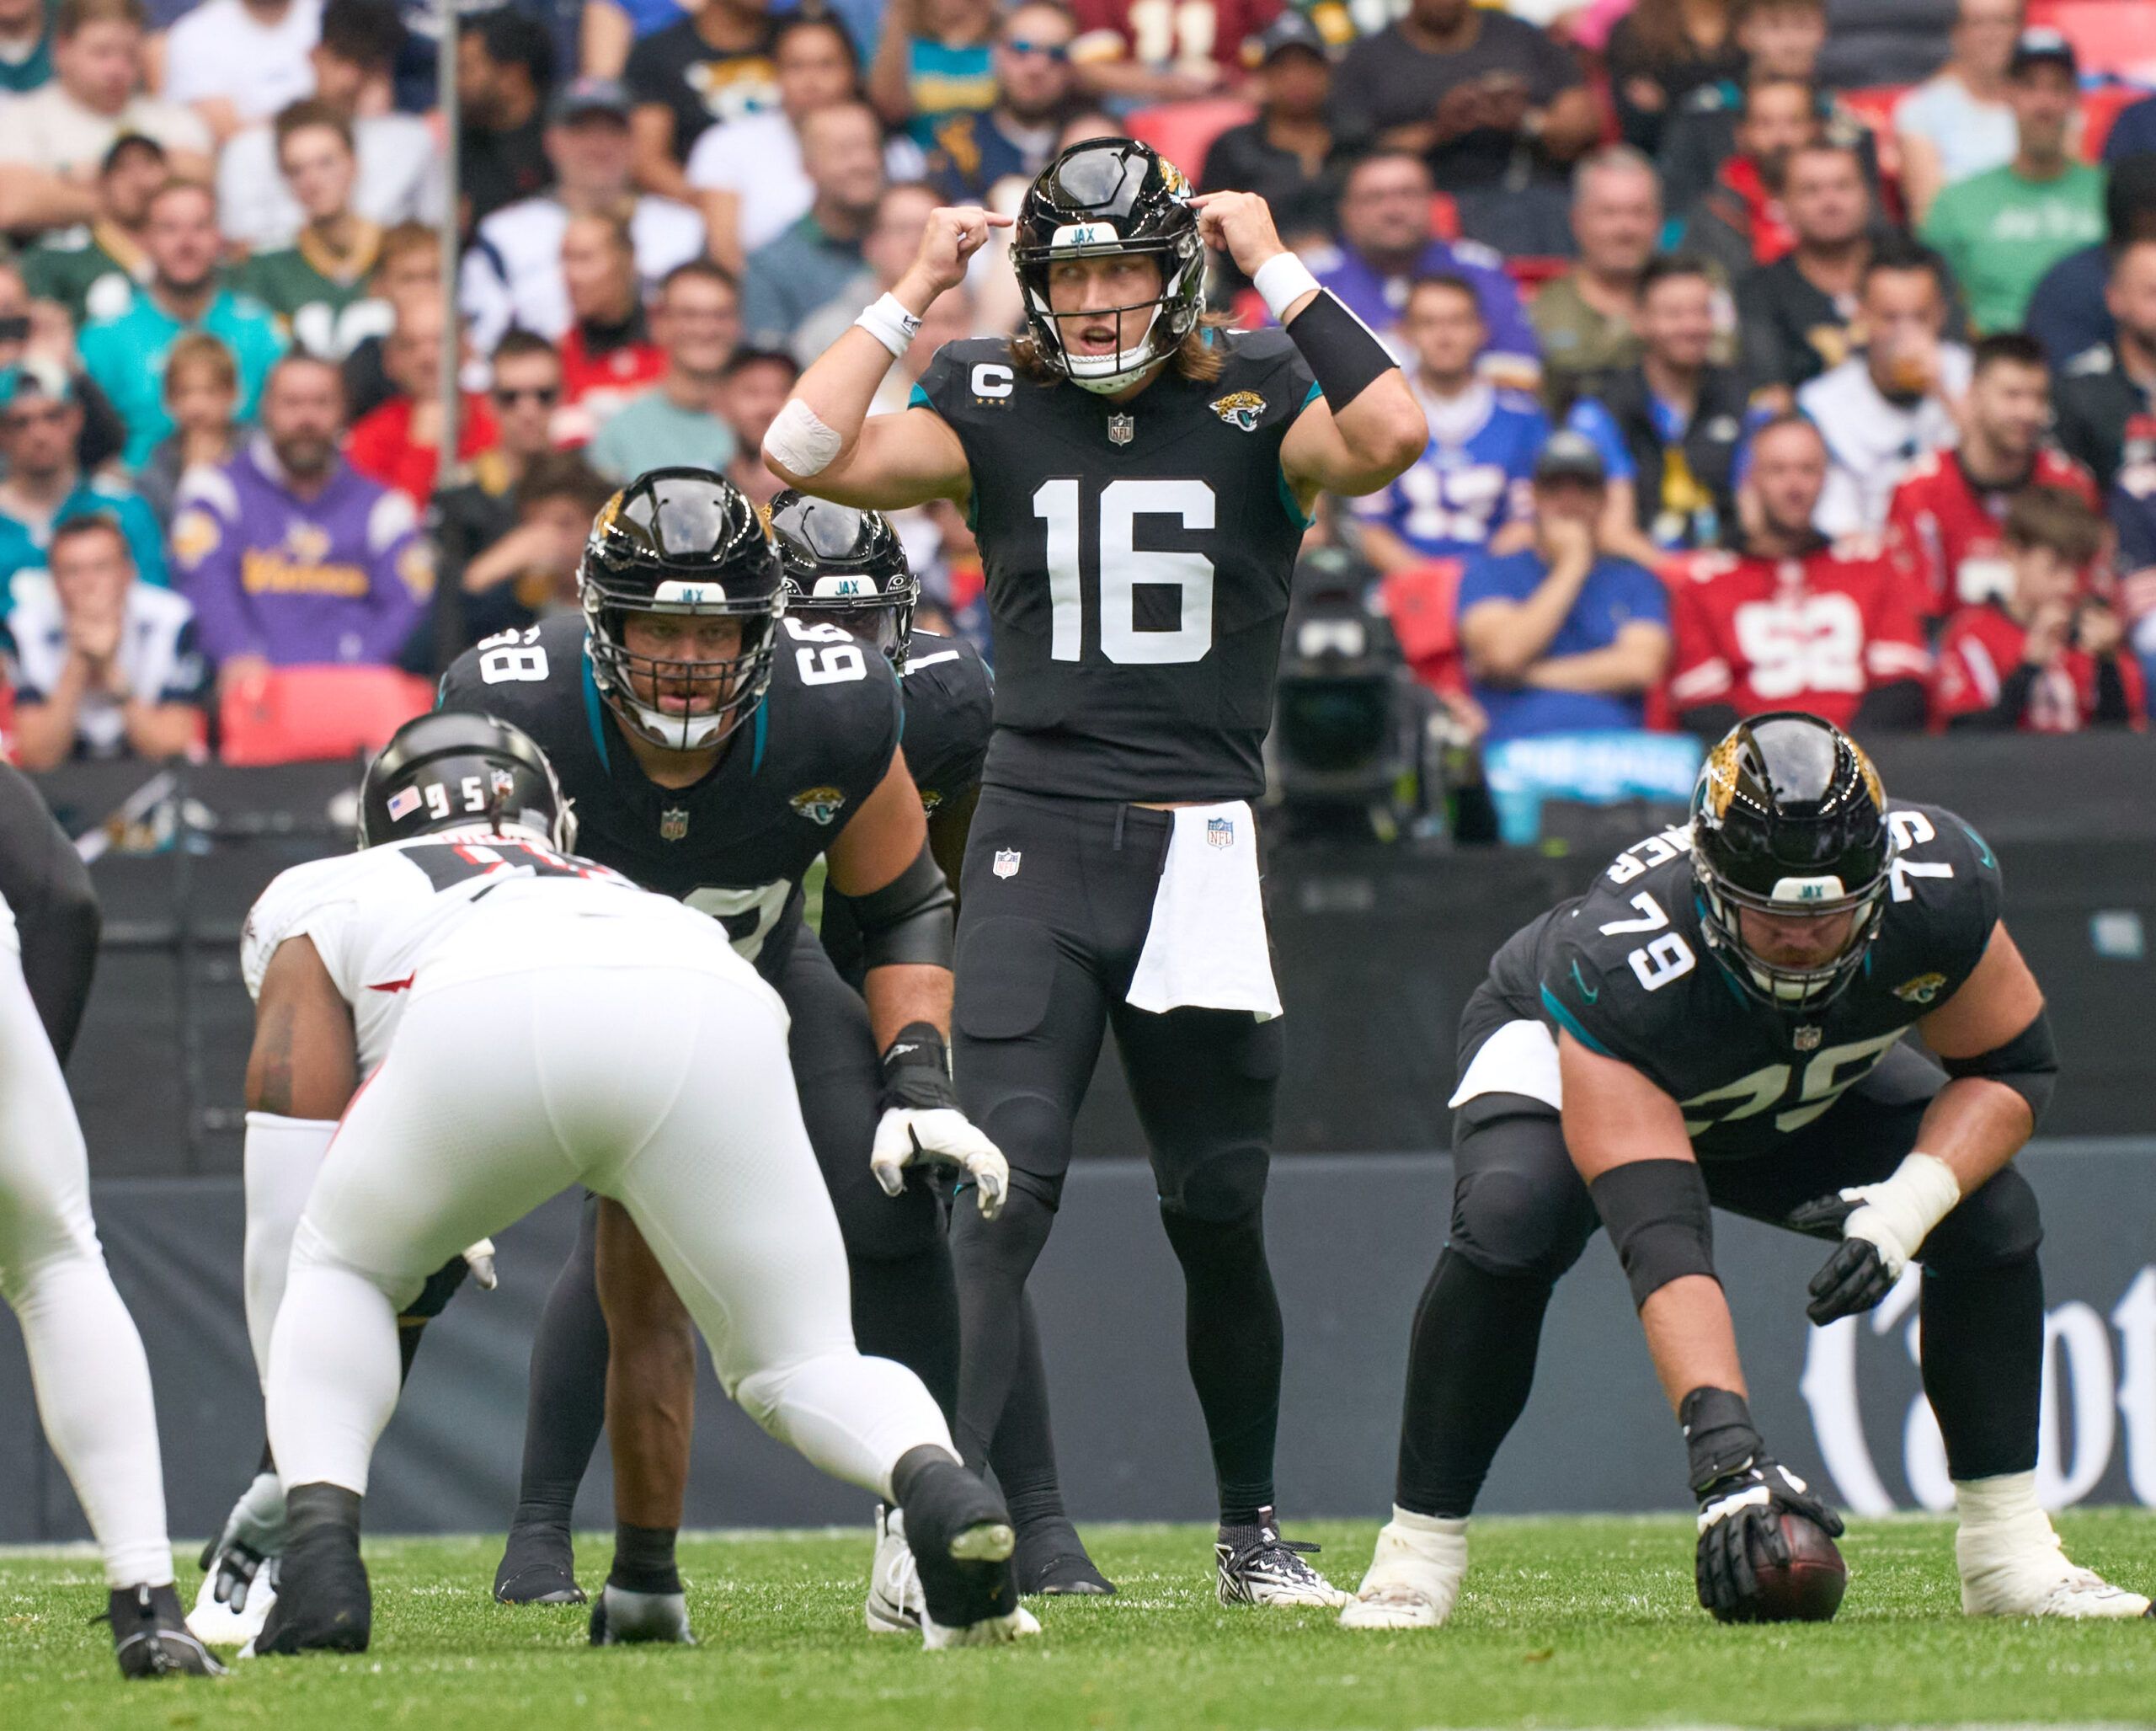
(905, 1303)
(1522, 1215)
(1057, 897)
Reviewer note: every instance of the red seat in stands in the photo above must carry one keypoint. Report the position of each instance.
(1422, 602)
(2100, 109)
(1184, 131)
(301, 714)
(2111, 37)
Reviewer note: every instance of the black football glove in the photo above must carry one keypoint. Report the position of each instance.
(1861, 1273)
(1743, 1492)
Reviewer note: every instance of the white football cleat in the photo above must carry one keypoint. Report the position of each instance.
(895, 1605)
(1256, 1566)
(2016, 1569)
(989, 1632)
(1414, 1577)
(215, 1624)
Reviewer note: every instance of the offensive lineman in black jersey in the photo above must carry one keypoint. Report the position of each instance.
(1139, 486)
(712, 748)
(1720, 1020)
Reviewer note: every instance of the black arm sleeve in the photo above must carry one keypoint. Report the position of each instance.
(911, 920)
(1897, 705)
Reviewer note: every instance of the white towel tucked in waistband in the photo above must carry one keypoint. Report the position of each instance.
(1206, 946)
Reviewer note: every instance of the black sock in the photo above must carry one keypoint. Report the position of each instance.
(1982, 1347)
(566, 1409)
(906, 1308)
(1231, 1337)
(1023, 1452)
(313, 1509)
(643, 1560)
(1470, 1365)
(993, 1260)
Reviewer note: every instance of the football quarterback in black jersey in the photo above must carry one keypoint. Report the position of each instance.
(712, 747)
(1719, 1022)
(1140, 484)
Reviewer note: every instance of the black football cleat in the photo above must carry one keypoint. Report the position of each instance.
(150, 1637)
(621, 1618)
(323, 1602)
(1051, 1560)
(538, 1566)
(961, 1537)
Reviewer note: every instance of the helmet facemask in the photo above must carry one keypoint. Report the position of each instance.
(1821, 897)
(1172, 314)
(721, 693)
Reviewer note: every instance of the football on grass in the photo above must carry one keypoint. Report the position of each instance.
(1809, 1591)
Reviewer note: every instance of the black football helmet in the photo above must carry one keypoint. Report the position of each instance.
(449, 771)
(847, 564)
(1789, 818)
(681, 543)
(1104, 196)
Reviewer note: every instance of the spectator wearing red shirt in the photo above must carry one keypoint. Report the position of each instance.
(397, 443)
(1739, 221)
(608, 353)
(2044, 657)
(1164, 51)
(1794, 622)
(1944, 526)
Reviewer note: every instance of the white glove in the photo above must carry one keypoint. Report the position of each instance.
(480, 1259)
(942, 1135)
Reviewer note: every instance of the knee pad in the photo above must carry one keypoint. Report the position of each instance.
(1034, 1133)
(1221, 1187)
(1013, 1240)
(1513, 1226)
(1996, 1224)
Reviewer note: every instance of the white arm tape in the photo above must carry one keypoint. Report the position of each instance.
(798, 443)
(282, 1156)
(1283, 280)
(1898, 1214)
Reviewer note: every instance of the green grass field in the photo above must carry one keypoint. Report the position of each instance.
(1564, 1622)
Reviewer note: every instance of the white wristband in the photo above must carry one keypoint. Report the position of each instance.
(1898, 1214)
(1283, 280)
(890, 324)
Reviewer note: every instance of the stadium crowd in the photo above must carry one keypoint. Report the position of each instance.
(1753, 381)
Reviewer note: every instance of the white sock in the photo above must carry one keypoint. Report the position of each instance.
(854, 1417)
(1440, 1526)
(2011, 1497)
(281, 1156)
(333, 1374)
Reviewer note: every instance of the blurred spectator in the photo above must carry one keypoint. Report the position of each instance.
(951, 317)
(237, 61)
(126, 354)
(202, 397)
(608, 353)
(698, 317)
(1139, 51)
(399, 443)
(2133, 516)
(893, 243)
(1944, 525)
(1584, 319)
(504, 69)
(475, 511)
(53, 139)
(1781, 41)
(291, 556)
(1798, 315)
(1475, 482)
(1893, 402)
(754, 388)
(969, 151)
(747, 174)
(1485, 97)
(607, 30)
(1794, 622)
(36, 333)
(1668, 428)
(1288, 155)
(102, 666)
(2106, 396)
(1958, 124)
(25, 45)
(93, 269)
(712, 66)
(2043, 656)
(2001, 230)
(399, 175)
(514, 274)
(789, 278)
(409, 263)
(39, 422)
(933, 63)
(2067, 313)
(1740, 221)
(1660, 52)
(319, 286)
(530, 572)
(1562, 637)
(2133, 134)
(1386, 241)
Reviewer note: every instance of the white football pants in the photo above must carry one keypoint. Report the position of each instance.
(621, 1054)
(86, 1363)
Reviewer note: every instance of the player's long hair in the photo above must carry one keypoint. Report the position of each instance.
(1197, 358)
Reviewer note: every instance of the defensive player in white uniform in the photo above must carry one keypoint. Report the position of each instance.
(87, 1365)
(526, 1021)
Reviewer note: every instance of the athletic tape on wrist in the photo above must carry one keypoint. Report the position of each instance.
(799, 443)
(1922, 1193)
(890, 324)
(1283, 280)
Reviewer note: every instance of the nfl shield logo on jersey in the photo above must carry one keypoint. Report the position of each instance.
(1806, 1039)
(673, 823)
(1121, 429)
(1007, 862)
(1219, 832)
